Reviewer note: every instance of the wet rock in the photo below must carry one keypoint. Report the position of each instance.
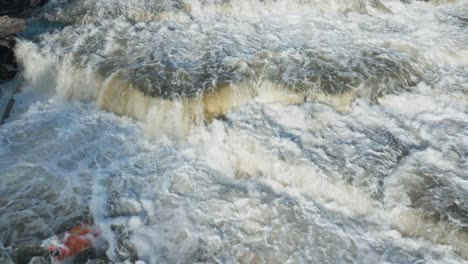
(6, 100)
(125, 250)
(91, 255)
(7, 42)
(85, 255)
(38, 260)
(85, 218)
(7, 71)
(67, 164)
(8, 28)
(8, 108)
(378, 5)
(26, 254)
(6, 52)
(10, 23)
(5, 259)
(97, 261)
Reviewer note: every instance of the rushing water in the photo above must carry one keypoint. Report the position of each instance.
(236, 131)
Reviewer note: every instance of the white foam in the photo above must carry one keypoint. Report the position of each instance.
(263, 168)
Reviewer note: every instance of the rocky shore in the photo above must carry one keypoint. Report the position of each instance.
(8, 29)
(12, 20)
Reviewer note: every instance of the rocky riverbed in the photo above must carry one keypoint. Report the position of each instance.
(239, 131)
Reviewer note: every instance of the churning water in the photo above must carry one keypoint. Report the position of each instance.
(238, 131)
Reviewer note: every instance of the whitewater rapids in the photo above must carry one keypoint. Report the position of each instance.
(242, 131)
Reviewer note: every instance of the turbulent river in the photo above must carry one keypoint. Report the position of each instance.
(242, 131)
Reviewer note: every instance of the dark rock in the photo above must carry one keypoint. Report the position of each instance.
(6, 55)
(85, 255)
(7, 71)
(6, 100)
(8, 108)
(18, 8)
(10, 24)
(91, 255)
(13, 6)
(7, 60)
(38, 260)
(98, 261)
(5, 43)
(25, 254)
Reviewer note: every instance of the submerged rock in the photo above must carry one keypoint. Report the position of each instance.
(125, 249)
(5, 258)
(38, 260)
(97, 261)
(29, 254)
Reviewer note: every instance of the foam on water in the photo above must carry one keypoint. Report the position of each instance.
(259, 131)
(242, 54)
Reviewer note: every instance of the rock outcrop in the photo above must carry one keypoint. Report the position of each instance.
(8, 29)
(12, 14)
(9, 26)
(19, 8)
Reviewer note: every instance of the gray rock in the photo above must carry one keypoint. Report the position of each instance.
(10, 26)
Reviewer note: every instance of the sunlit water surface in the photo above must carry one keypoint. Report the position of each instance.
(242, 131)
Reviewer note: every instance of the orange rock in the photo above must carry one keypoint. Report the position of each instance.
(72, 242)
